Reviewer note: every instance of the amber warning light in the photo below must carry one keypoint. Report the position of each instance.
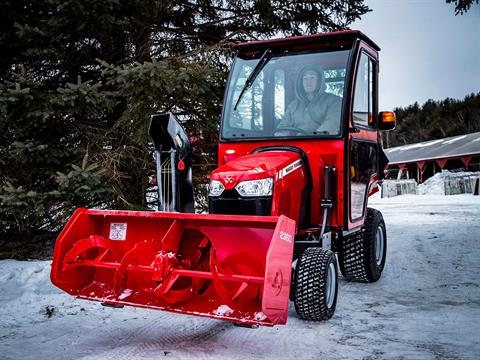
(387, 121)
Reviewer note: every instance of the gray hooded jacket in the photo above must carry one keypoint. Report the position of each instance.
(321, 114)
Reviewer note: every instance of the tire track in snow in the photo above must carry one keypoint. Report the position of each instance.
(179, 335)
(124, 341)
(163, 334)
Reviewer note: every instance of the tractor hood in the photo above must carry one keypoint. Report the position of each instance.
(271, 164)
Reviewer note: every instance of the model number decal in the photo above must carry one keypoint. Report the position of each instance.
(288, 169)
(285, 236)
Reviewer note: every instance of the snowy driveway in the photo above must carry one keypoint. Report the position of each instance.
(426, 306)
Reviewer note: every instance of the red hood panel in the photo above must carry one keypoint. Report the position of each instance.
(253, 166)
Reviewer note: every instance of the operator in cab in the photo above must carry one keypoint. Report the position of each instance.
(314, 111)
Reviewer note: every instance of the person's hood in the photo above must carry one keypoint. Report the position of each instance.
(300, 92)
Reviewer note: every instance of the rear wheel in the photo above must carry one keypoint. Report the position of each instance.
(362, 256)
(316, 284)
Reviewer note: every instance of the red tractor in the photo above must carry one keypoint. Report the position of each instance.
(298, 158)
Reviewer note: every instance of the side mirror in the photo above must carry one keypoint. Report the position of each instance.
(387, 120)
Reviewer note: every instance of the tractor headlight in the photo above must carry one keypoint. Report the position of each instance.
(261, 187)
(216, 188)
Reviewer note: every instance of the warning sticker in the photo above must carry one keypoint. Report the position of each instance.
(118, 231)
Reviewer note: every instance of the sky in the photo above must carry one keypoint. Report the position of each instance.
(426, 51)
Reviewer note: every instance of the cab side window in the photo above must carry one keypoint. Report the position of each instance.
(363, 97)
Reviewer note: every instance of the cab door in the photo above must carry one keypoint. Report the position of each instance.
(362, 138)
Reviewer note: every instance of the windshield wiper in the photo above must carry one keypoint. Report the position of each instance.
(264, 59)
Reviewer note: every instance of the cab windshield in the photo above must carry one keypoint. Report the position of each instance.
(285, 95)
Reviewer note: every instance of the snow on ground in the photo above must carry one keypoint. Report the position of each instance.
(425, 306)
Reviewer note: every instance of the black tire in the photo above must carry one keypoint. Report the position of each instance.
(292, 286)
(315, 298)
(360, 256)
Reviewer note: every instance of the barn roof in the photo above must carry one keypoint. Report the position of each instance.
(451, 147)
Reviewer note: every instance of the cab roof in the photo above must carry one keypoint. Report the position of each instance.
(345, 37)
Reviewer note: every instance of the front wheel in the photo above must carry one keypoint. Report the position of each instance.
(362, 256)
(316, 284)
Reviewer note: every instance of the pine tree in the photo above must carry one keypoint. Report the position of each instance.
(462, 6)
(435, 120)
(80, 78)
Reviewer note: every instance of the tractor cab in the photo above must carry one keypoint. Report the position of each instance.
(316, 96)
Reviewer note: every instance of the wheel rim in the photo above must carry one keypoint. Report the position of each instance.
(331, 284)
(379, 246)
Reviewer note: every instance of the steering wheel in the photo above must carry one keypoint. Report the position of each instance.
(291, 129)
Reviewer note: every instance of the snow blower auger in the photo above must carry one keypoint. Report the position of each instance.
(298, 158)
(192, 264)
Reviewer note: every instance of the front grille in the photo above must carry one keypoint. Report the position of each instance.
(231, 203)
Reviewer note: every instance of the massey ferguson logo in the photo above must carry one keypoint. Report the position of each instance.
(229, 179)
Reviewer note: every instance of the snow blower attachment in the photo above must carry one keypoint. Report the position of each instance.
(234, 268)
